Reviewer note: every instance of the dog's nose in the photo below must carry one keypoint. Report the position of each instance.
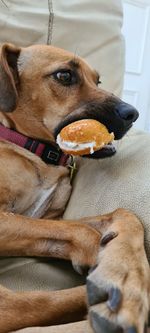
(126, 112)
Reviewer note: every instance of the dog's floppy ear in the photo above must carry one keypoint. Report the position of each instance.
(9, 78)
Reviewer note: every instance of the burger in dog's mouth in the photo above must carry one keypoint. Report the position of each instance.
(86, 137)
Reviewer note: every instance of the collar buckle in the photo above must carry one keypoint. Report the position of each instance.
(51, 155)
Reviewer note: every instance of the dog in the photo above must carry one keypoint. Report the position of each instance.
(42, 89)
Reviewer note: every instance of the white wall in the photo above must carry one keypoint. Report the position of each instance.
(136, 29)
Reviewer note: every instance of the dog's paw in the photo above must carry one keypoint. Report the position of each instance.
(84, 248)
(118, 293)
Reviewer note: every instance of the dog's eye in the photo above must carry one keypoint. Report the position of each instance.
(65, 77)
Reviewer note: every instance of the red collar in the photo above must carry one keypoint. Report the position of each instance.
(49, 152)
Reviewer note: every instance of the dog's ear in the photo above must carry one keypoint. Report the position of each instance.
(9, 78)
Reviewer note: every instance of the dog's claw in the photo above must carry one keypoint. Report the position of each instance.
(78, 269)
(92, 269)
(95, 294)
(108, 237)
(82, 270)
(115, 298)
(100, 324)
(131, 330)
(149, 319)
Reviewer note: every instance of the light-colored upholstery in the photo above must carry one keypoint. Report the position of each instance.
(78, 327)
(87, 28)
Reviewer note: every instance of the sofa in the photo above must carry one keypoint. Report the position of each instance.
(91, 29)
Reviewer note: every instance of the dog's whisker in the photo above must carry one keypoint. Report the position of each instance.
(4, 3)
(76, 53)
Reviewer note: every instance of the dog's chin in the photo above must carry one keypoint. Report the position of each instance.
(107, 151)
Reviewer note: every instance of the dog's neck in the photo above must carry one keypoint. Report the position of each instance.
(28, 122)
(48, 151)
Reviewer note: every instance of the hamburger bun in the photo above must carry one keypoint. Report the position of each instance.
(83, 137)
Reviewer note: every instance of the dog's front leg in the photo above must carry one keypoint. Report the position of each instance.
(70, 240)
(119, 287)
(39, 308)
(20, 235)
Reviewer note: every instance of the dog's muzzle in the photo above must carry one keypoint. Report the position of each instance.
(115, 114)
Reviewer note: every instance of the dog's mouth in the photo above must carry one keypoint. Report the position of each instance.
(118, 117)
(107, 151)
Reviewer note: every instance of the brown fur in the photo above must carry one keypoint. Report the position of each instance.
(40, 105)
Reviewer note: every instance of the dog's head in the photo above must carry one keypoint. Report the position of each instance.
(48, 88)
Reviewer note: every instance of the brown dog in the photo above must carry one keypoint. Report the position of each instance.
(47, 88)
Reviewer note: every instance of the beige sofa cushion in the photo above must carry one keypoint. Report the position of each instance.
(87, 28)
(78, 327)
